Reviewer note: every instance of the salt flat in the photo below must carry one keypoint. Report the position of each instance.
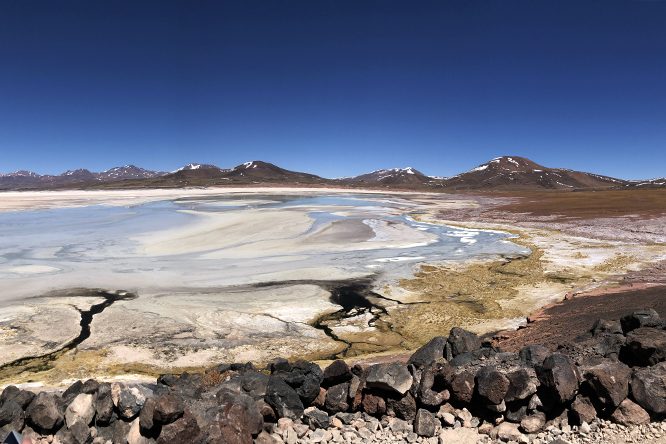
(222, 275)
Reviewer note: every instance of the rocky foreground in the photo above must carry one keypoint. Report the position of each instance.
(607, 386)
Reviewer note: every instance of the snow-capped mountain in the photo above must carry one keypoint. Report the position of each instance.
(502, 173)
(259, 171)
(127, 172)
(80, 177)
(513, 172)
(393, 177)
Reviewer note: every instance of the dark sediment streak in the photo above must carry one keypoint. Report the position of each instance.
(42, 362)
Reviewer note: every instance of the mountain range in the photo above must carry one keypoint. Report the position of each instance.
(501, 173)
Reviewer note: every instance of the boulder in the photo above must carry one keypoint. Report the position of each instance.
(640, 318)
(283, 399)
(317, 419)
(184, 429)
(168, 408)
(336, 373)
(373, 404)
(356, 386)
(491, 385)
(236, 420)
(80, 432)
(644, 346)
(254, 383)
(72, 392)
(582, 410)
(392, 377)
(146, 419)
(45, 413)
(514, 411)
(461, 341)
(103, 404)
(81, 409)
(603, 327)
(608, 345)
(434, 380)
(337, 397)
(403, 407)
(429, 353)
(629, 413)
(304, 377)
(533, 423)
(473, 357)
(648, 388)
(532, 355)
(559, 377)
(12, 414)
(425, 423)
(608, 381)
(19, 396)
(129, 399)
(462, 386)
(522, 385)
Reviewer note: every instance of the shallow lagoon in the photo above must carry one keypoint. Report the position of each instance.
(51, 248)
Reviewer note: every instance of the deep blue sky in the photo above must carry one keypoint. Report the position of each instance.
(333, 87)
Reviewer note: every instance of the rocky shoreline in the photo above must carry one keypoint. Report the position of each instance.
(609, 383)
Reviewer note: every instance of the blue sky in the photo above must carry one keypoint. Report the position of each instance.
(333, 87)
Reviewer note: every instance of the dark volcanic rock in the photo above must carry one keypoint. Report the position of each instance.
(235, 420)
(146, 421)
(434, 380)
(403, 407)
(608, 381)
(305, 378)
(645, 346)
(559, 377)
(46, 412)
(630, 413)
(393, 377)
(429, 353)
(515, 412)
(21, 397)
(602, 327)
(283, 399)
(317, 419)
(461, 341)
(11, 413)
(648, 388)
(533, 355)
(103, 404)
(168, 408)
(80, 433)
(641, 318)
(129, 399)
(182, 430)
(425, 423)
(522, 385)
(582, 410)
(462, 386)
(336, 373)
(373, 404)
(336, 398)
(254, 384)
(491, 385)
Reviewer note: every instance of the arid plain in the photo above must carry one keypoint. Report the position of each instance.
(222, 275)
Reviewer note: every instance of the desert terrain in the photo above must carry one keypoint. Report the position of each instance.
(251, 285)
